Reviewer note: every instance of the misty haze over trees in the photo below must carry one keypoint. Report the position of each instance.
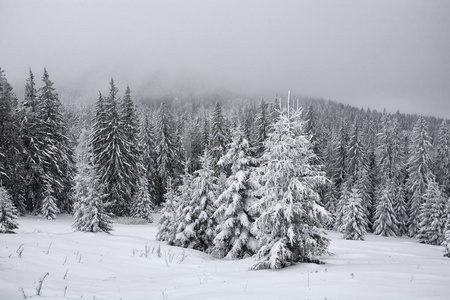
(235, 177)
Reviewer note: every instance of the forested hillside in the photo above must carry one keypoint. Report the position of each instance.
(235, 177)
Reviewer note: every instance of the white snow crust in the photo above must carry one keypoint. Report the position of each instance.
(130, 264)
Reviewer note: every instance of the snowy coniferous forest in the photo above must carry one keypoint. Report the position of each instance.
(234, 177)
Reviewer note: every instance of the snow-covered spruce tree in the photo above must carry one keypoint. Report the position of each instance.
(290, 221)
(143, 202)
(389, 151)
(364, 186)
(442, 157)
(400, 209)
(234, 238)
(356, 154)
(8, 133)
(89, 211)
(358, 169)
(419, 172)
(12, 175)
(149, 157)
(28, 132)
(261, 127)
(169, 163)
(339, 156)
(49, 208)
(206, 132)
(192, 141)
(369, 187)
(169, 221)
(354, 219)
(384, 148)
(274, 109)
(130, 124)
(112, 156)
(385, 217)
(8, 213)
(197, 227)
(55, 152)
(311, 129)
(433, 216)
(218, 137)
(345, 195)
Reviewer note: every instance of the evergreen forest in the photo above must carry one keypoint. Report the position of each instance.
(229, 175)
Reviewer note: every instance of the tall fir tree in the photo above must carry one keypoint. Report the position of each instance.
(130, 124)
(169, 163)
(342, 202)
(442, 157)
(358, 170)
(113, 157)
(356, 154)
(339, 157)
(235, 238)
(401, 209)
(149, 158)
(274, 110)
(219, 137)
(56, 152)
(433, 216)
(354, 221)
(46, 149)
(290, 221)
(419, 172)
(262, 123)
(385, 217)
(206, 132)
(384, 148)
(29, 131)
(11, 163)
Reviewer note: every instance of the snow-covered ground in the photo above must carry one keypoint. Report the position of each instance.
(131, 264)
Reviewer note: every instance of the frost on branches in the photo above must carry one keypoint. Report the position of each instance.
(290, 221)
(8, 213)
(235, 238)
(197, 226)
(89, 211)
(354, 221)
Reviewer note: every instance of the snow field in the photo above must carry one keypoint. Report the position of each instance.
(131, 264)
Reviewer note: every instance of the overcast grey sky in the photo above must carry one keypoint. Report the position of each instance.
(393, 54)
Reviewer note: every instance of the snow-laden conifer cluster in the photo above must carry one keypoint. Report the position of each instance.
(268, 205)
(235, 237)
(290, 215)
